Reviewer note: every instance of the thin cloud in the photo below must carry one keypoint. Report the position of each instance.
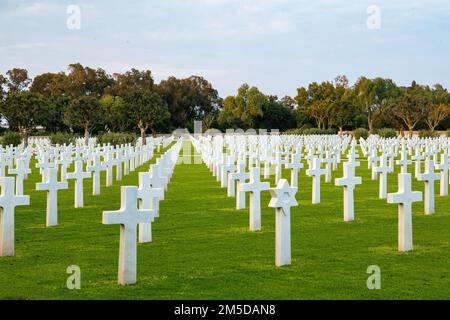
(23, 46)
(277, 45)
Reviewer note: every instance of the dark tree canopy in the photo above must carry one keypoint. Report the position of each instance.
(148, 110)
(189, 99)
(23, 110)
(17, 80)
(85, 113)
(131, 81)
(89, 100)
(51, 84)
(85, 81)
(412, 105)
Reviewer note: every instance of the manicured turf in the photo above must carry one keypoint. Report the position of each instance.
(202, 248)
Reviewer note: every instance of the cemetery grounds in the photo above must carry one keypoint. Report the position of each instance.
(202, 248)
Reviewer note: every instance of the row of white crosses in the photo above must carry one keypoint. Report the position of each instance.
(17, 159)
(92, 156)
(405, 197)
(283, 196)
(139, 207)
(320, 150)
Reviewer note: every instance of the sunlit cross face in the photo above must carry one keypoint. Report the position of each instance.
(286, 197)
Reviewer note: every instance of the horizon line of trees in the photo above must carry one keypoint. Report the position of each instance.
(369, 103)
(88, 101)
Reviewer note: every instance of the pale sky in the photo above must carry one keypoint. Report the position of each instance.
(276, 45)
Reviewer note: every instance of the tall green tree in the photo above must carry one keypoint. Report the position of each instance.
(342, 111)
(319, 99)
(189, 99)
(301, 112)
(17, 80)
(373, 95)
(412, 105)
(229, 117)
(23, 111)
(276, 116)
(85, 81)
(436, 114)
(118, 116)
(85, 113)
(174, 93)
(51, 116)
(51, 84)
(439, 109)
(148, 110)
(132, 80)
(244, 108)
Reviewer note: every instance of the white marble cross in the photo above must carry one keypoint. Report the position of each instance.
(348, 181)
(79, 155)
(8, 202)
(278, 162)
(21, 171)
(51, 185)
(328, 160)
(390, 155)
(65, 161)
(283, 198)
(255, 187)
(336, 158)
(117, 161)
(79, 175)
(444, 167)
(372, 160)
(295, 165)
(310, 156)
(146, 195)
(240, 176)
(220, 161)
(353, 152)
(229, 167)
(383, 170)
(418, 157)
(231, 183)
(404, 162)
(128, 217)
(126, 162)
(158, 179)
(108, 163)
(404, 198)
(96, 168)
(267, 158)
(316, 172)
(429, 176)
(132, 155)
(3, 164)
(44, 165)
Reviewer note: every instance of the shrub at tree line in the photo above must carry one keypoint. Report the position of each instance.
(311, 131)
(62, 138)
(360, 133)
(116, 138)
(386, 133)
(11, 138)
(427, 134)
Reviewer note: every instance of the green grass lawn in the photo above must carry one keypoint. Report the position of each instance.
(202, 248)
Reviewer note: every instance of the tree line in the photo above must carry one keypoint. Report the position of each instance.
(86, 100)
(369, 103)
